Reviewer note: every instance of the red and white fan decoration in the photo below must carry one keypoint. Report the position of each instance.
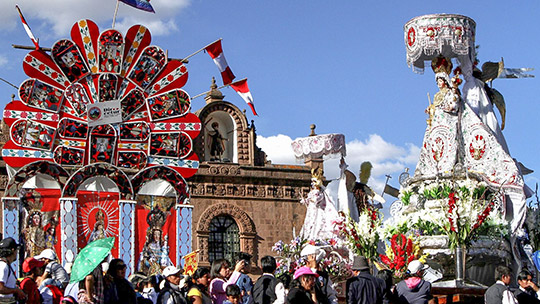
(103, 97)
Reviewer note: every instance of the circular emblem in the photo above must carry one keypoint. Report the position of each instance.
(94, 113)
(411, 36)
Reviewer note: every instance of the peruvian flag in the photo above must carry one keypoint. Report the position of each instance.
(216, 52)
(27, 28)
(241, 87)
(140, 4)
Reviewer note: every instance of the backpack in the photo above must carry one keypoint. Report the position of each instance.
(264, 290)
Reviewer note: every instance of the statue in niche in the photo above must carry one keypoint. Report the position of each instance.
(155, 253)
(216, 143)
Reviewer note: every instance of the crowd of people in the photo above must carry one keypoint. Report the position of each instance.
(46, 281)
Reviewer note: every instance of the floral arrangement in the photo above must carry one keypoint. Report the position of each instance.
(466, 207)
(466, 211)
(399, 253)
(335, 263)
(362, 236)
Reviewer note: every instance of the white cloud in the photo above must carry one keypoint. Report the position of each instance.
(60, 15)
(3, 60)
(277, 148)
(386, 158)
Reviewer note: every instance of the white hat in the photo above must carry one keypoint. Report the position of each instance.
(311, 249)
(46, 254)
(171, 270)
(415, 266)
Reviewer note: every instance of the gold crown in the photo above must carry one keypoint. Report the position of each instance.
(441, 64)
(32, 201)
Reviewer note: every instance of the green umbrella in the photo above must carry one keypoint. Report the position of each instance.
(90, 257)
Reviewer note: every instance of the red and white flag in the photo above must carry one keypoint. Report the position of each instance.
(241, 87)
(216, 52)
(27, 28)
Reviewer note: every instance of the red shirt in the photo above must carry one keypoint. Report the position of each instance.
(30, 288)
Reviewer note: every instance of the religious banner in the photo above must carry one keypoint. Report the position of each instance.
(98, 217)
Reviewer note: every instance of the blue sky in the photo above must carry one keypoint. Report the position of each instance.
(339, 64)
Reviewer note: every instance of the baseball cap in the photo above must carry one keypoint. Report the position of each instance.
(8, 243)
(31, 263)
(415, 266)
(46, 254)
(171, 270)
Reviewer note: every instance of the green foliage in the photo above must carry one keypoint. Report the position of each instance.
(406, 199)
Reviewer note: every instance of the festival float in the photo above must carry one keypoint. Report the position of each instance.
(100, 144)
(466, 202)
(464, 209)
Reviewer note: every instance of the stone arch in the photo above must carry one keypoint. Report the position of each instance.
(248, 231)
(165, 173)
(38, 167)
(242, 130)
(99, 169)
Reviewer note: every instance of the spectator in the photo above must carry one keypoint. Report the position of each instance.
(93, 289)
(198, 287)
(138, 280)
(324, 284)
(499, 293)
(68, 300)
(54, 273)
(267, 289)
(364, 288)
(414, 290)
(33, 269)
(386, 276)
(303, 288)
(234, 295)
(222, 277)
(151, 289)
(528, 291)
(171, 293)
(244, 281)
(9, 292)
(125, 292)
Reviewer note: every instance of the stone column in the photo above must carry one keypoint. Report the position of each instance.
(126, 241)
(68, 226)
(184, 221)
(10, 212)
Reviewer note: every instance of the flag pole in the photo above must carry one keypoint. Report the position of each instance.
(201, 50)
(11, 84)
(218, 88)
(115, 13)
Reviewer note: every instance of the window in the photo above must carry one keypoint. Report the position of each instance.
(224, 239)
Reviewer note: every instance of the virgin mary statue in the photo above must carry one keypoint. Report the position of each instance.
(463, 133)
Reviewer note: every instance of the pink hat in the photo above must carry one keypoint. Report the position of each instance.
(304, 270)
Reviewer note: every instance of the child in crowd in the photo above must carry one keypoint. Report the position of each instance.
(234, 296)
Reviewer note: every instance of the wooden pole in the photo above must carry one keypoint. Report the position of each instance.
(26, 47)
(115, 13)
(218, 88)
(201, 49)
(11, 84)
